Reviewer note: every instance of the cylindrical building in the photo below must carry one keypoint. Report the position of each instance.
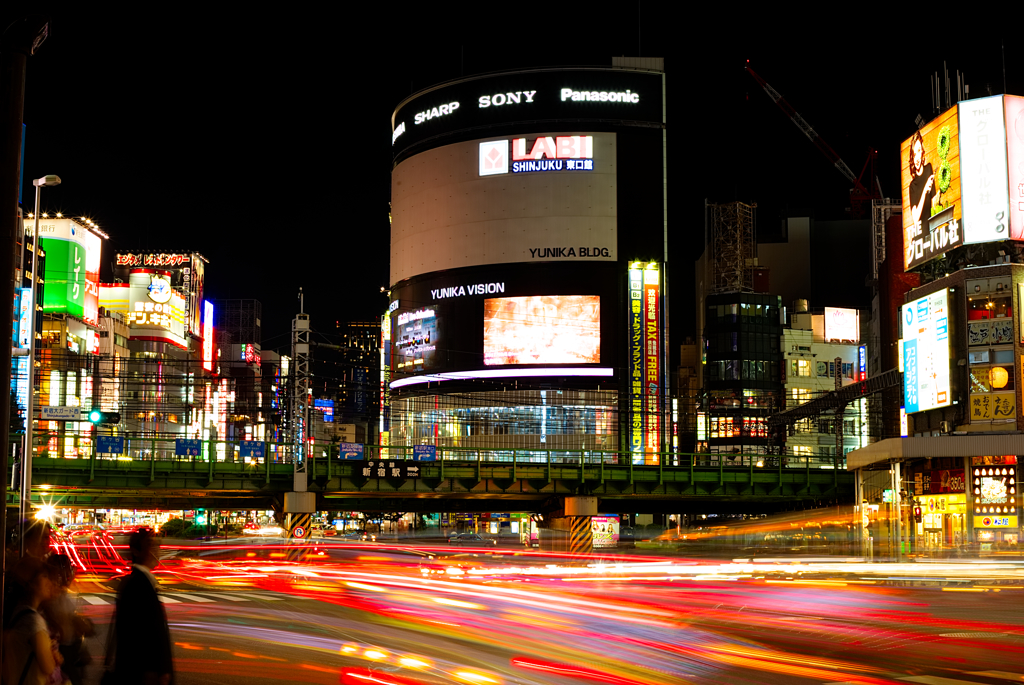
(529, 264)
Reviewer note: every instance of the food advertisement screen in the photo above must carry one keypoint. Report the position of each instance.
(926, 352)
(416, 338)
(930, 182)
(544, 329)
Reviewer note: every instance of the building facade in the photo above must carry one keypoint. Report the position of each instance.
(529, 263)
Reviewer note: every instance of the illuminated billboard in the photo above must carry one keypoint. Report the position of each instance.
(605, 531)
(152, 308)
(187, 274)
(635, 326)
(652, 361)
(543, 329)
(926, 352)
(416, 339)
(842, 324)
(930, 176)
(208, 349)
(986, 203)
(72, 268)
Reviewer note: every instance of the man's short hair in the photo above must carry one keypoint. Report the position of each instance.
(140, 543)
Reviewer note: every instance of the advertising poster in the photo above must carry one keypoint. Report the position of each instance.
(605, 531)
(155, 310)
(208, 348)
(546, 329)
(926, 352)
(930, 180)
(636, 364)
(986, 206)
(416, 337)
(652, 361)
(186, 272)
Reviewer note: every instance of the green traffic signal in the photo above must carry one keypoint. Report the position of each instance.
(98, 418)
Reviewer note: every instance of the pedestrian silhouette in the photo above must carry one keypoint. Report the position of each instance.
(142, 640)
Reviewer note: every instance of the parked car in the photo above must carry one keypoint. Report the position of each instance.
(470, 539)
(361, 535)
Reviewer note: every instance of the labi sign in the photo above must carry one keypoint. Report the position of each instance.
(546, 153)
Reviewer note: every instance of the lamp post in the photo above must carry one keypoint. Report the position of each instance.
(24, 507)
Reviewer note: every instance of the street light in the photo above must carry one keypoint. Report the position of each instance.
(26, 456)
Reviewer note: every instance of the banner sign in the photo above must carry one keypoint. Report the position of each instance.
(60, 413)
(636, 363)
(652, 360)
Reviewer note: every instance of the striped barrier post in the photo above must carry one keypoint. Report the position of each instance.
(581, 537)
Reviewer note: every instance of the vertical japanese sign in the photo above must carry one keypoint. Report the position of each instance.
(652, 361)
(385, 377)
(1013, 107)
(983, 176)
(636, 363)
(208, 335)
(23, 330)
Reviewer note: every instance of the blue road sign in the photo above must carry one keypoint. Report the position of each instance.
(251, 448)
(351, 450)
(188, 448)
(424, 453)
(110, 444)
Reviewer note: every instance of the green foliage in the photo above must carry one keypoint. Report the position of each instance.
(17, 418)
(174, 528)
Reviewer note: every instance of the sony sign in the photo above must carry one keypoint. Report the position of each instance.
(499, 99)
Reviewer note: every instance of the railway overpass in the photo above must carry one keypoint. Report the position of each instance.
(459, 481)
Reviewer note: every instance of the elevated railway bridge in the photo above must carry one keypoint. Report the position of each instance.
(150, 476)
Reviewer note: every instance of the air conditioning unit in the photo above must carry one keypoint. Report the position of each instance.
(946, 427)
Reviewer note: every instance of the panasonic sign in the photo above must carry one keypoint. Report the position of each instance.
(599, 96)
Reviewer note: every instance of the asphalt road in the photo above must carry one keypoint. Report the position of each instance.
(374, 614)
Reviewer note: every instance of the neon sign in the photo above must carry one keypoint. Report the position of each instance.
(207, 335)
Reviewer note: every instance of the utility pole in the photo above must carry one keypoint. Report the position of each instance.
(299, 504)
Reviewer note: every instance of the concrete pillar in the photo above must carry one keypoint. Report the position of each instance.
(299, 508)
(578, 511)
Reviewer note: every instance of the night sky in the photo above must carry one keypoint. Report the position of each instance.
(262, 140)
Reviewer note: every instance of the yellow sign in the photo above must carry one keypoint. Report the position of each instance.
(988, 407)
(943, 504)
(995, 521)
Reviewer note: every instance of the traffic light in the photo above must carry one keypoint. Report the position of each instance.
(101, 418)
(917, 514)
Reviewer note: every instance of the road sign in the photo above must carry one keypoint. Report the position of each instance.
(298, 532)
(351, 450)
(110, 444)
(61, 413)
(424, 453)
(251, 448)
(188, 448)
(389, 468)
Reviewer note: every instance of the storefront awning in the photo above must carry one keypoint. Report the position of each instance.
(902, 449)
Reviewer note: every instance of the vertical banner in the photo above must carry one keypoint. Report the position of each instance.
(385, 378)
(24, 307)
(652, 362)
(986, 209)
(636, 363)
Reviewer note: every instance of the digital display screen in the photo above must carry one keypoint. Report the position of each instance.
(544, 329)
(416, 338)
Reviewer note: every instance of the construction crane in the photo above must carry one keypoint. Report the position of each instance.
(860, 196)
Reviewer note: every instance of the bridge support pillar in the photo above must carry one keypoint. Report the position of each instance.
(578, 511)
(299, 508)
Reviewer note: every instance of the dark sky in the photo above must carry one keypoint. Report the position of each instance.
(262, 139)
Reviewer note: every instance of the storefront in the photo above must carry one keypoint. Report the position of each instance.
(943, 521)
(994, 484)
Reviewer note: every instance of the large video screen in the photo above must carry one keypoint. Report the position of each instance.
(930, 166)
(544, 329)
(926, 352)
(416, 338)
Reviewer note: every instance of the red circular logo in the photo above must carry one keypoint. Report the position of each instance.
(298, 532)
(986, 521)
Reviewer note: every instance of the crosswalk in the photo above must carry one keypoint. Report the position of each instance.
(109, 598)
(945, 680)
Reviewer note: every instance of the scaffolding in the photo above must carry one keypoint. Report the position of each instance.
(732, 247)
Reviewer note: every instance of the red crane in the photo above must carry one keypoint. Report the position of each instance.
(859, 194)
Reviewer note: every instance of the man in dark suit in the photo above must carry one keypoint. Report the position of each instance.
(142, 639)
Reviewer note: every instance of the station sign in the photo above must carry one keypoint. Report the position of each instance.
(351, 450)
(389, 468)
(60, 413)
(424, 453)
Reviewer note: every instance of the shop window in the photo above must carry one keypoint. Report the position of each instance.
(800, 368)
(979, 357)
(989, 307)
(1002, 356)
